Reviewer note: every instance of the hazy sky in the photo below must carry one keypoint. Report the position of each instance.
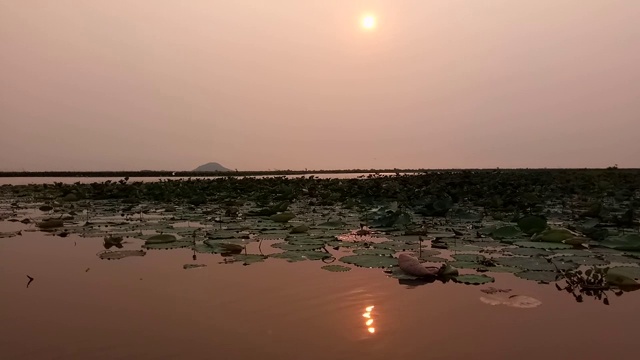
(277, 84)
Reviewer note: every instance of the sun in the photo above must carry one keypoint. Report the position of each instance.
(369, 22)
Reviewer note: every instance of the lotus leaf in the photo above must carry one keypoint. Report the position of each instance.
(632, 272)
(468, 257)
(543, 245)
(298, 247)
(506, 232)
(373, 251)
(294, 256)
(248, 259)
(168, 246)
(370, 261)
(193, 266)
(630, 242)
(544, 276)
(120, 254)
(282, 217)
(160, 239)
(473, 279)
(532, 224)
(554, 235)
(336, 268)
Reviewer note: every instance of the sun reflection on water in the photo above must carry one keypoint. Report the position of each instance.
(369, 321)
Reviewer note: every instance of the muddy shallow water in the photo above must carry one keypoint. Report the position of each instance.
(81, 307)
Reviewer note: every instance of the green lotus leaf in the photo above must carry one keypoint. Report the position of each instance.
(370, 261)
(160, 239)
(297, 247)
(535, 251)
(554, 235)
(294, 256)
(543, 245)
(473, 279)
(544, 276)
(581, 260)
(506, 232)
(468, 257)
(629, 242)
(120, 254)
(533, 264)
(336, 268)
(300, 229)
(373, 251)
(466, 265)
(532, 224)
(248, 259)
(168, 246)
(282, 217)
(193, 266)
(632, 272)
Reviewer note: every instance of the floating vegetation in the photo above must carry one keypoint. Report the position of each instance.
(370, 261)
(120, 254)
(193, 266)
(473, 279)
(520, 222)
(336, 268)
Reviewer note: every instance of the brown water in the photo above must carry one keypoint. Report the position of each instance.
(82, 307)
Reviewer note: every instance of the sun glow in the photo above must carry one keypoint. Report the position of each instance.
(369, 22)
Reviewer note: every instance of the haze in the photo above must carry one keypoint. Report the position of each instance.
(290, 84)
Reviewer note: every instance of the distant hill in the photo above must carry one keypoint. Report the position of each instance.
(211, 167)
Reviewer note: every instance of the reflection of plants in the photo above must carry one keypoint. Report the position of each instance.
(595, 282)
(591, 282)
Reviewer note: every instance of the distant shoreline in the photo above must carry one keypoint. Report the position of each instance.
(182, 174)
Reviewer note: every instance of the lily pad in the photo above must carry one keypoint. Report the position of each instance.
(370, 261)
(466, 265)
(554, 235)
(168, 246)
(297, 247)
(532, 224)
(294, 256)
(192, 266)
(545, 276)
(472, 279)
(160, 239)
(526, 263)
(506, 232)
(632, 272)
(630, 242)
(503, 269)
(248, 259)
(300, 229)
(282, 217)
(373, 251)
(120, 254)
(530, 251)
(581, 260)
(543, 245)
(50, 224)
(336, 268)
(468, 257)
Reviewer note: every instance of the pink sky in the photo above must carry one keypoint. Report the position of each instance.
(290, 84)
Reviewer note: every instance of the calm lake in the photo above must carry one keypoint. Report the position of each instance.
(84, 306)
